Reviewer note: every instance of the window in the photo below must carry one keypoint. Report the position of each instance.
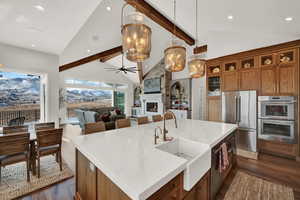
(81, 98)
(19, 98)
(119, 100)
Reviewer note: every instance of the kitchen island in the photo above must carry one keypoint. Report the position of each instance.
(126, 164)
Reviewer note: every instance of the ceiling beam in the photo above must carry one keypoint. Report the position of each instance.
(140, 71)
(98, 56)
(200, 49)
(148, 10)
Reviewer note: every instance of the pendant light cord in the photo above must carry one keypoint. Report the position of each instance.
(196, 23)
(174, 12)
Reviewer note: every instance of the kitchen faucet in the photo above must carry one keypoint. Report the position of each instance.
(155, 135)
(165, 131)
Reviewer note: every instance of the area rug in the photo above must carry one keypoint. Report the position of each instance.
(14, 184)
(247, 187)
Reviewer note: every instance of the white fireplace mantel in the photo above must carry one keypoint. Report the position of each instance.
(152, 98)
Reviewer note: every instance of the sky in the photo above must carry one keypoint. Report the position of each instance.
(14, 75)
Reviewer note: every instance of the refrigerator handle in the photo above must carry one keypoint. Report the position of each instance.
(236, 109)
(239, 100)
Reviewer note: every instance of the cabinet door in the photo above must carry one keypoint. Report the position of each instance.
(230, 81)
(268, 80)
(214, 109)
(86, 178)
(286, 80)
(249, 80)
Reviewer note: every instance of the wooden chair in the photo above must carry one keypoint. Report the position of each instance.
(122, 123)
(15, 129)
(94, 127)
(14, 148)
(49, 143)
(44, 126)
(17, 121)
(157, 118)
(142, 120)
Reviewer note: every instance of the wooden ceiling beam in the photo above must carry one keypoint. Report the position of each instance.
(148, 10)
(98, 56)
(200, 49)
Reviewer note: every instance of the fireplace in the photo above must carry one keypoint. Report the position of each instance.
(152, 107)
(152, 104)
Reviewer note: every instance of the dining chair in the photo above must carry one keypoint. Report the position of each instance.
(15, 129)
(19, 121)
(49, 143)
(142, 120)
(44, 126)
(14, 148)
(94, 127)
(157, 118)
(123, 123)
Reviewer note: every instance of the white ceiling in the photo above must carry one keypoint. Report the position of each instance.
(71, 27)
(50, 30)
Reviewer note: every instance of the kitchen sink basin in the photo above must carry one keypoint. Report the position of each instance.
(198, 156)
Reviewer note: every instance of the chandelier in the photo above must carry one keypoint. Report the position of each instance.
(136, 37)
(196, 64)
(175, 53)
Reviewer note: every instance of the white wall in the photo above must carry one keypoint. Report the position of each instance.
(29, 61)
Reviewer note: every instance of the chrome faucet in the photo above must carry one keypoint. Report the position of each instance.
(165, 131)
(155, 135)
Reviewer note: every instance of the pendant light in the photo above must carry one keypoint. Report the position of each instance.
(136, 36)
(196, 64)
(175, 53)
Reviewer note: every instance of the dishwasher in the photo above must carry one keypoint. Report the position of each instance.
(218, 178)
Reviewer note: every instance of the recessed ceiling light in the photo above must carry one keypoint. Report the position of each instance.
(88, 50)
(288, 19)
(108, 8)
(39, 8)
(230, 17)
(33, 45)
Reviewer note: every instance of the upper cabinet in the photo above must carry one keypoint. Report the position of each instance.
(249, 74)
(230, 76)
(278, 76)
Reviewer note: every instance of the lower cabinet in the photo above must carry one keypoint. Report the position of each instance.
(277, 148)
(214, 109)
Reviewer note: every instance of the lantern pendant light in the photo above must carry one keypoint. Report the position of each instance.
(196, 64)
(175, 53)
(136, 36)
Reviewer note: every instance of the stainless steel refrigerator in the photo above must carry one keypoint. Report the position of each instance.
(241, 108)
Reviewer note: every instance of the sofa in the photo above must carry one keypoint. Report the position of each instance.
(99, 114)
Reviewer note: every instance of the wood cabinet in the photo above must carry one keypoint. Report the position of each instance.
(230, 76)
(286, 80)
(86, 178)
(201, 190)
(277, 148)
(268, 81)
(214, 109)
(249, 79)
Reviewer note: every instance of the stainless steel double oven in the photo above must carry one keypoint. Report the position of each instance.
(276, 118)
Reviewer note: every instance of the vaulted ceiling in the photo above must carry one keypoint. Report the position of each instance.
(96, 28)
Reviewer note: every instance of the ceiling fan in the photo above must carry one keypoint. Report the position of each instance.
(123, 69)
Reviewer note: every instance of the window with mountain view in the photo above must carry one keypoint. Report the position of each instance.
(19, 98)
(87, 99)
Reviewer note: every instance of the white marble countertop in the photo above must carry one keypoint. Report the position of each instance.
(129, 158)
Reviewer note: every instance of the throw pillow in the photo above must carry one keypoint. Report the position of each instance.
(118, 111)
(105, 118)
(113, 113)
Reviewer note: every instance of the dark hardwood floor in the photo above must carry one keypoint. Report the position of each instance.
(61, 191)
(274, 169)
